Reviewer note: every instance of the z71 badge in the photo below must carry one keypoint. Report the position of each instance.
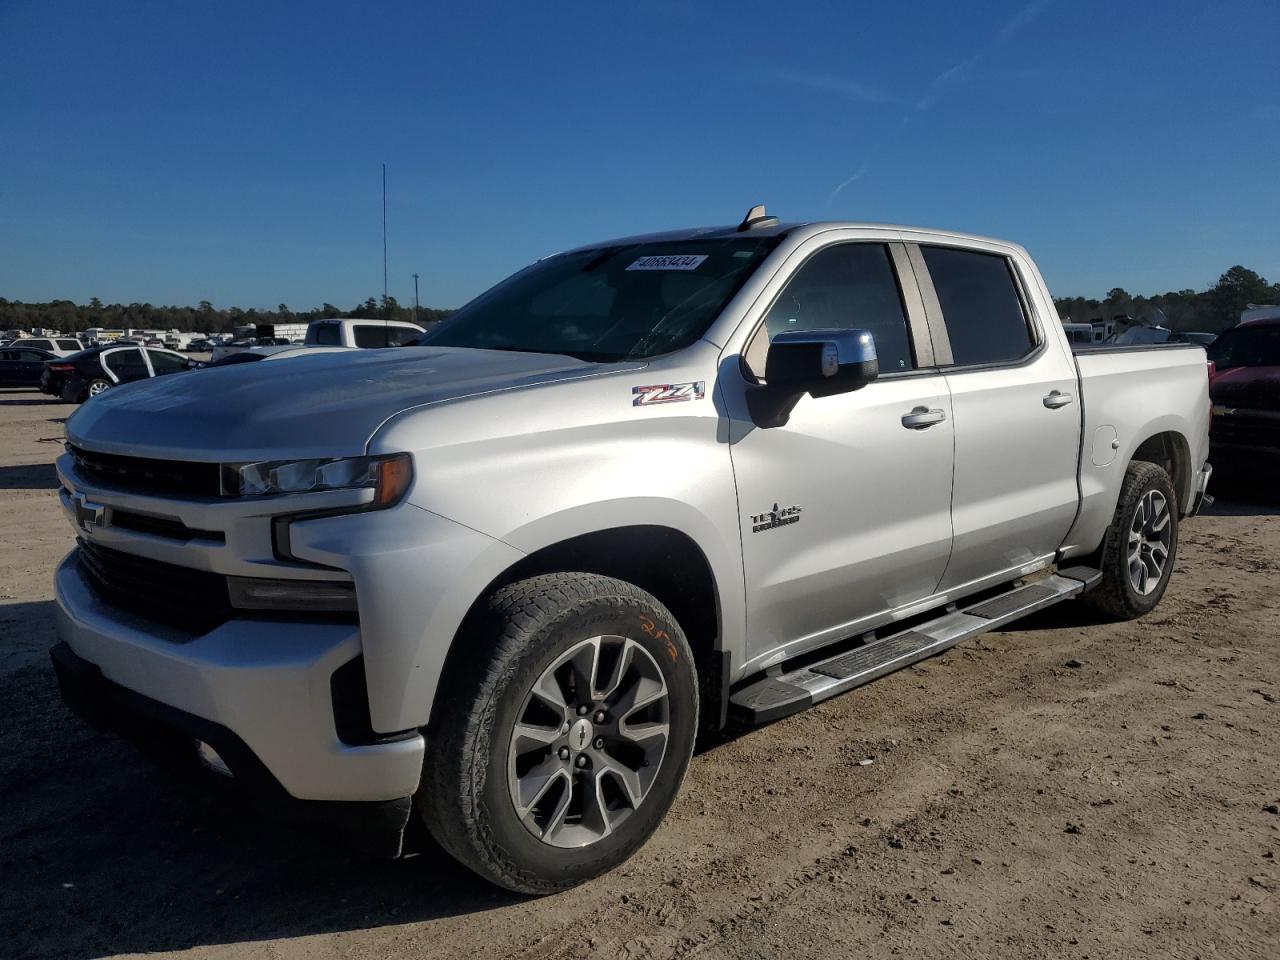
(777, 517)
(667, 393)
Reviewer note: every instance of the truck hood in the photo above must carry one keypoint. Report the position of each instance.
(1252, 388)
(323, 405)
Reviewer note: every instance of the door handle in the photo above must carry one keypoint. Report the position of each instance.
(1056, 399)
(922, 417)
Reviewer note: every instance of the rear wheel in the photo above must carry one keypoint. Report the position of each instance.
(95, 387)
(1140, 546)
(559, 744)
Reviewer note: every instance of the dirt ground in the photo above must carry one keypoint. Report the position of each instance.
(1063, 788)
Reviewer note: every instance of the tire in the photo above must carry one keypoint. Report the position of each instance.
(477, 771)
(95, 387)
(1128, 588)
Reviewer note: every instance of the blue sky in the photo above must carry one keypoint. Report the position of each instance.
(171, 152)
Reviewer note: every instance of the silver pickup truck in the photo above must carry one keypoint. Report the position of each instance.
(640, 490)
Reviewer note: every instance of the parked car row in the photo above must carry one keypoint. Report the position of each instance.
(98, 369)
(22, 366)
(62, 367)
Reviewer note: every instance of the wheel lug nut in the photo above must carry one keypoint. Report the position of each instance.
(582, 710)
(599, 744)
(564, 753)
(600, 717)
(581, 761)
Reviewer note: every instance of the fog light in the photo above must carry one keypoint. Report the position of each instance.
(210, 759)
(312, 596)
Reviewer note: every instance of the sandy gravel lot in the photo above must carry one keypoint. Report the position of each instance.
(1064, 788)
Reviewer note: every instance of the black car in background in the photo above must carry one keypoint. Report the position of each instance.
(90, 372)
(22, 366)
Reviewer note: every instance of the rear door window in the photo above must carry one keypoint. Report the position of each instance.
(368, 335)
(68, 345)
(980, 305)
(126, 363)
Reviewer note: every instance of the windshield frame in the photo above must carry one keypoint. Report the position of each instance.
(764, 246)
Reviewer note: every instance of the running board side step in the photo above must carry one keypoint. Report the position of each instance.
(773, 697)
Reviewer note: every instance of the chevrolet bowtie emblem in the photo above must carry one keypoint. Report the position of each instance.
(89, 514)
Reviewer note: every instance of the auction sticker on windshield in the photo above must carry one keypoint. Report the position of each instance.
(682, 261)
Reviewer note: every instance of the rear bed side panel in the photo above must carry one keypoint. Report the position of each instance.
(1130, 396)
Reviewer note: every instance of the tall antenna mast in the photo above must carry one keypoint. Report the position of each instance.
(384, 243)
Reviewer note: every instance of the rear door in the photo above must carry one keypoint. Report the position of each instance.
(1016, 413)
(845, 509)
(125, 364)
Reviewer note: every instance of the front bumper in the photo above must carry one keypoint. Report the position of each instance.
(267, 682)
(375, 827)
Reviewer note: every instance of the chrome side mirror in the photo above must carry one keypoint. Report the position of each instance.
(820, 363)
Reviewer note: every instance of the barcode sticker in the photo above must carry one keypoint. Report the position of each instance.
(684, 261)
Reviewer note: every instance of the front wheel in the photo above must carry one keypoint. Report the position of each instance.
(560, 739)
(1140, 545)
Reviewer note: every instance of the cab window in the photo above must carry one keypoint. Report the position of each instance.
(324, 335)
(842, 287)
(399, 336)
(368, 336)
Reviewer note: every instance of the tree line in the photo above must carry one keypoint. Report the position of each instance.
(69, 317)
(1212, 310)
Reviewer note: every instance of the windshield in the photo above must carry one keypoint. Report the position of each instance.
(612, 303)
(1247, 347)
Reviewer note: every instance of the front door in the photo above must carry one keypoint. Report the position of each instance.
(845, 509)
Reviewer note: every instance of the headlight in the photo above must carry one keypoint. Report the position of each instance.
(388, 477)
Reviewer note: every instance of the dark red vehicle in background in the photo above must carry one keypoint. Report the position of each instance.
(1245, 393)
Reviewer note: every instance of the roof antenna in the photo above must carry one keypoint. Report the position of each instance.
(756, 217)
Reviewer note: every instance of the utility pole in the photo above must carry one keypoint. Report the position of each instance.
(384, 242)
(415, 298)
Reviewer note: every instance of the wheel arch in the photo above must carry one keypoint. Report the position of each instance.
(661, 560)
(1170, 450)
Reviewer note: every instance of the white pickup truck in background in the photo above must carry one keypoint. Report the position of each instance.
(363, 334)
(499, 580)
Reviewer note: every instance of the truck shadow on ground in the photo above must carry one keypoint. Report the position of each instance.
(29, 476)
(103, 852)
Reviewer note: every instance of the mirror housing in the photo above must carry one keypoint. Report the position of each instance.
(820, 363)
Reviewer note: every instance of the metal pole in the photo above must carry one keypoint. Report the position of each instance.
(415, 298)
(384, 242)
